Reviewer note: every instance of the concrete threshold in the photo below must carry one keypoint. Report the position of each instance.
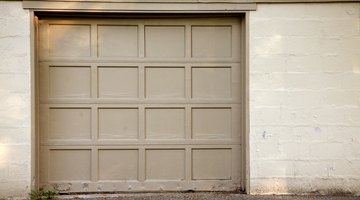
(199, 196)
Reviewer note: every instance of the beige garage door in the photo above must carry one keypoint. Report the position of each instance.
(139, 104)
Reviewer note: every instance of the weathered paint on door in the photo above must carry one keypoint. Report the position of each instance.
(140, 104)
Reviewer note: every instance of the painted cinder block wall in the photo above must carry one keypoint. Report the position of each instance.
(304, 98)
(15, 112)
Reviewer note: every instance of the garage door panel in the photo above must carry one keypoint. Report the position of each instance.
(69, 40)
(118, 82)
(70, 164)
(211, 164)
(117, 41)
(165, 41)
(118, 164)
(211, 123)
(69, 123)
(211, 82)
(211, 41)
(165, 82)
(118, 123)
(69, 82)
(165, 164)
(165, 123)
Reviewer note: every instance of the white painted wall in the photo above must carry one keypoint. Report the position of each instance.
(15, 140)
(305, 98)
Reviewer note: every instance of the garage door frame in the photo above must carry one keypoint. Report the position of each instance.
(244, 15)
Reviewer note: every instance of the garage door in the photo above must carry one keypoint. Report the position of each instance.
(139, 104)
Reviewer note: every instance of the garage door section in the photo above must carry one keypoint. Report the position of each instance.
(140, 104)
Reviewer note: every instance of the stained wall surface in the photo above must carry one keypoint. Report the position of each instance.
(305, 98)
(15, 117)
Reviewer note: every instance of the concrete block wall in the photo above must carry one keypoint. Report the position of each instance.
(305, 98)
(15, 117)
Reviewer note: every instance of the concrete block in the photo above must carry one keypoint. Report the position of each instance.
(327, 151)
(340, 27)
(14, 189)
(266, 150)
(297, 117)
(312, 134)
(294, 151)
(352, 151)
(14, 65)
(19, 172)
(354, 134)
(272, 168)
(340, 10)
(14, 135)
(338, 116)
(265, 116)
(19, 83)
(345, 134)
(18, 46)
(277, 134)
(271, 45)
(304, 81)
(345, 169)
(305, 63)
(268, 98)
(23, 152)
(302, 99)
(286, 27)
(12, 27)
(283, 11)
(15, 116)
(13, 10)
(312, 169)
(269, 64)
(350, 98)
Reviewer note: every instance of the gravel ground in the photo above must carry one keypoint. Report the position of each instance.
(201, 196)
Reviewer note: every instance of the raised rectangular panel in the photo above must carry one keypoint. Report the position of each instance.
(211, 164)
(211, 123)
(118, 82)
(165, 123)
(165, 164)
(164, 82)
(211, 41)
(165, 41)
(69, 40)
(211, 82)
(69, 82)
(119, 41)
(118, 164)
(70, 165)
(69, 123)
(118, 123)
